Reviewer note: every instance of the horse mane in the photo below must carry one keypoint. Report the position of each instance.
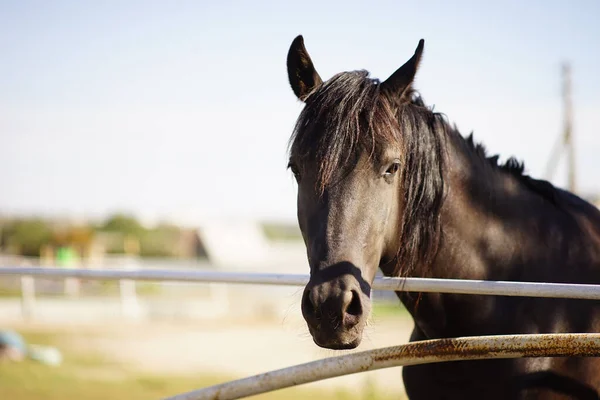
(516, 168)
(349, 115)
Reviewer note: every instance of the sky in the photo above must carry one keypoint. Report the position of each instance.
(182, 110)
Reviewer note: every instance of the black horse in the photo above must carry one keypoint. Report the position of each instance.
(384, 182)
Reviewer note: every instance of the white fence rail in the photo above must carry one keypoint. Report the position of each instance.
(457, 286)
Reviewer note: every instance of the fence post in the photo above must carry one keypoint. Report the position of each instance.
(27, 297)
(130, 306)
(219, 297)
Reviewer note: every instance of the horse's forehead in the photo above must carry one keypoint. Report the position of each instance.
(361, 167)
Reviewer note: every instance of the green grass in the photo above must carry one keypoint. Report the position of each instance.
(389, 309)
(90, 377)
(85, 380)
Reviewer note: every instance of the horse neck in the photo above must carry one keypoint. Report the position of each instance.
(489, 217)
(494, 227)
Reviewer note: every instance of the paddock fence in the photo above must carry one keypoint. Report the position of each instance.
(429, 351)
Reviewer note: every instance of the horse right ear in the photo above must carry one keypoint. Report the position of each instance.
(301, 72)
(399, 83)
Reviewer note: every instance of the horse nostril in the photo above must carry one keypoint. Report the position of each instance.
(306, 303)
(308, 306)
(355, 307)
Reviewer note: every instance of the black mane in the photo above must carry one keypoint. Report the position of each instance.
(512, 165)
(516, 168)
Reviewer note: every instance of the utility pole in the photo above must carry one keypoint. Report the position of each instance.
(568, 128)
(566, 138)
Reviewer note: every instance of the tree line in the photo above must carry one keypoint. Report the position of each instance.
(30, 236)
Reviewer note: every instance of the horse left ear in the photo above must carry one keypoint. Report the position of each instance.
(400, 81)
(302, 74)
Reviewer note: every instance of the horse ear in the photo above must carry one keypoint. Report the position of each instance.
(301, 71)
(400, 81)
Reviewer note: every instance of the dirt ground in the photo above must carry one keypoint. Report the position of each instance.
(232, 348)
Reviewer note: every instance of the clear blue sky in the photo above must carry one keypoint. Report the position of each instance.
(183, 109)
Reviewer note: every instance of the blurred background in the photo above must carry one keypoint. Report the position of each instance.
(147, 134)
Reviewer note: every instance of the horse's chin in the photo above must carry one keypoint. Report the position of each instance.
(340, 345)
(340, 341)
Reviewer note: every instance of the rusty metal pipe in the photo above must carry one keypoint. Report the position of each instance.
(428, 351)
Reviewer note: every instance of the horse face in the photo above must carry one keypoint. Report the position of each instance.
(346, 157)
(346, 230)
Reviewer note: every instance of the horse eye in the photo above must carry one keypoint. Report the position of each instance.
(392, 169)
(295, 171)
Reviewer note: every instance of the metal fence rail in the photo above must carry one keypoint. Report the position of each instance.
(429, 351)
(457, 286)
